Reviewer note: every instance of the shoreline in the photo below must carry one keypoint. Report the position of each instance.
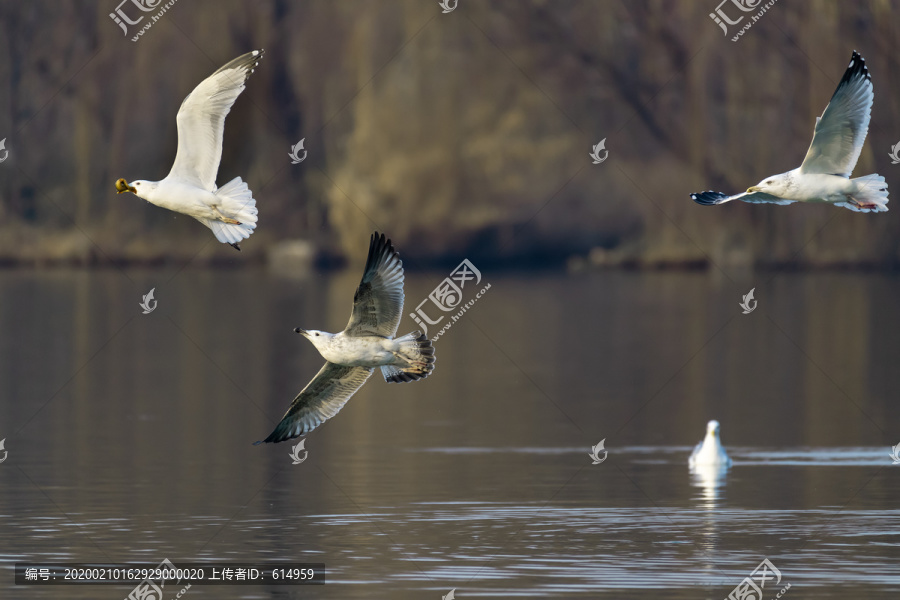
(327, 263)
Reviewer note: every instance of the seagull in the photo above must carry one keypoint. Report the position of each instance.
(190, 187)
(710, 450)
(367, 342)
(824, 175)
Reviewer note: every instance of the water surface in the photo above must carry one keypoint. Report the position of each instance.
(129, 435)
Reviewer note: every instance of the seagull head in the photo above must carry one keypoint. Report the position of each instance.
(712, 429)
(775, 185)
(313, 335)
(138, 187)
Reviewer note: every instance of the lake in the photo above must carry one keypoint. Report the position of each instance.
(129, 435)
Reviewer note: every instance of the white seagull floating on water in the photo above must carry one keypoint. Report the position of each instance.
(190, 187)
(367, 342)
(824, 175)
(710, 450)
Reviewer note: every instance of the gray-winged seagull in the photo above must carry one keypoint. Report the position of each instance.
(190, 187)
(367, 342)
(824, 175)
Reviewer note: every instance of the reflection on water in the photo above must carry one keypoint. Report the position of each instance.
(129, 436)
(709, 478)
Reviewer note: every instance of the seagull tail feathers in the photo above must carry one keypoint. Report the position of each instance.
(235, 202)
(871, 192)
(417, 351)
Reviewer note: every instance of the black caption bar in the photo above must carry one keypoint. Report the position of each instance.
(169, 574)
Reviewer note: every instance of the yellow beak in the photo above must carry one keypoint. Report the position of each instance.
(752, 189)
(122, 186)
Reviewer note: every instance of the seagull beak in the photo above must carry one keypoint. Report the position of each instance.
(122, 186)
(752, 189)
(300, 331)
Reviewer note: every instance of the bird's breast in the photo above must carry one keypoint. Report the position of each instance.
(358, 352)
(183, 198)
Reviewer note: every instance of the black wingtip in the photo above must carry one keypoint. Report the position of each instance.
(380, 249)
(280, 434)
(857, 68)
(708, 198)
(378, 242)
(271, 439)
(236, 246)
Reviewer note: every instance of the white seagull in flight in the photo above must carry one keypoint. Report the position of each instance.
(190, 187)
(367, 342)
(824, 175)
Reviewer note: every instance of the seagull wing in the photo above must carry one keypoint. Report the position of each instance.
(201, 121)
(321, 399)
(710, 198)
(694, 454)
(378, 302)
(841, 130)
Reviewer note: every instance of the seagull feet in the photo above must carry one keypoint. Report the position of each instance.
(419, 367)
(223, 218)
(863, 205)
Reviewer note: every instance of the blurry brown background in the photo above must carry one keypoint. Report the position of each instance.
(460, 134)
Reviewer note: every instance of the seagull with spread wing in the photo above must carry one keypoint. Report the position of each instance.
(366, 343)
(190, 187)
(824, 175)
